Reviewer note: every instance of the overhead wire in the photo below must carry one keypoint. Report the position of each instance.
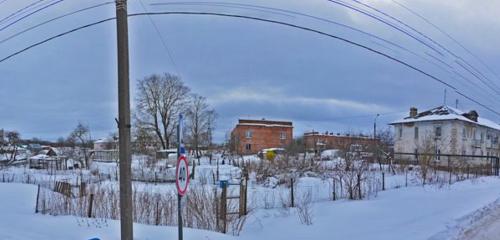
(492, 87)
(229, 4)
(20, 10)
(54, 19)
(162, 39)
(261, 20)
(31, 13)
(448, 36)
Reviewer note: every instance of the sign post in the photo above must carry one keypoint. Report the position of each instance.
(181, 174)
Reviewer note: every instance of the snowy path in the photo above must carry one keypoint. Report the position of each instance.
(414, 213)
(487, 227)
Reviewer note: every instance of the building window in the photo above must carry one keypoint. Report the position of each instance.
(248, 134)
(416, 132)
(282, 135)
(438, 154)
(438, 131)
(400, 129)
(464, 133)
(248, 147)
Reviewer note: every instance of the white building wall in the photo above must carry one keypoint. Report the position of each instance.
(457, 137)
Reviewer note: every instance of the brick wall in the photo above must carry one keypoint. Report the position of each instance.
(263, 134)
(317, 141)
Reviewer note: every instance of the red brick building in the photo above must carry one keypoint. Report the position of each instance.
(251, 136)
(315, 141)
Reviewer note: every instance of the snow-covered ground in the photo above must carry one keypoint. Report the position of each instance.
(19, 222)
(429, 212)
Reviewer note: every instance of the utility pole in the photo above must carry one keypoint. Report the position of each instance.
(375, 126)
(126, 220)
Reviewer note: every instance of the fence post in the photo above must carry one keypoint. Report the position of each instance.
(334, 191)
(291, 193)
(341, 188)
(383, 181)
(242, 189)
(91, 201)
(157, 212)
(450, 170)
(359, 186)
(217, 214)
(224, 208)
(406, 177)
(37, 198)
(468, 169)
(246, 195)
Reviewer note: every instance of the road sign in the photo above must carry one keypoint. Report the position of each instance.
(182, 175)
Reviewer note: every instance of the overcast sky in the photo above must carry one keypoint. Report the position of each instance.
(251, 69)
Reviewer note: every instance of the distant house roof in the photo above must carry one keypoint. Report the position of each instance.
(264, 122)
(443, 113)
(105, 140)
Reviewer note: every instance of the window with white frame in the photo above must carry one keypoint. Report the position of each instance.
(249, 134)
(282, 135)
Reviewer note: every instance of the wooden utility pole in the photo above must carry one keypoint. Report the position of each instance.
(126, 219)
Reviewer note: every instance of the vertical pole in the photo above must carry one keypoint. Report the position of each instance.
(217, 214)
(242, 188)
(224, 208)
(291, 193)
(126, 220)
(245, 196)
(406, 177)
(179, 197)
(91, 202)
(383, 181)
(334, 191)
(37, 197)
(359, 186)
(449, 169)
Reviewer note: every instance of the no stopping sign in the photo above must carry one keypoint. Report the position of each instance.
(182, 175)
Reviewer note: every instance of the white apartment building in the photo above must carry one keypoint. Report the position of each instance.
(446, 130)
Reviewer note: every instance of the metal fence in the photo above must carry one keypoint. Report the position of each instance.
(479, 164)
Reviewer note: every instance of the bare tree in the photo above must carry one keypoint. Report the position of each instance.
(159, 101)
(9, 147)
(145, 141)
(200, 121)
(80, 137)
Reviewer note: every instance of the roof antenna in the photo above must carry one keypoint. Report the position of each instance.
(444, 103)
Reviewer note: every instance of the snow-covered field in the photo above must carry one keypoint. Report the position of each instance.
(429, 212)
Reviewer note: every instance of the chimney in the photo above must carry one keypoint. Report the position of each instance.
(472, 115)
(413, 112)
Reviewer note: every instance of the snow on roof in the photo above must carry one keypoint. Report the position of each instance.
(442, 113)
(264, 125)
(105, 140)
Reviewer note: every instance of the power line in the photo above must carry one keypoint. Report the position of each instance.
(261, 20)
(449, 36)
(494, 87)
(34, 12)
(54, 19)
(386, 23)
(19, 11)
(162, 39)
